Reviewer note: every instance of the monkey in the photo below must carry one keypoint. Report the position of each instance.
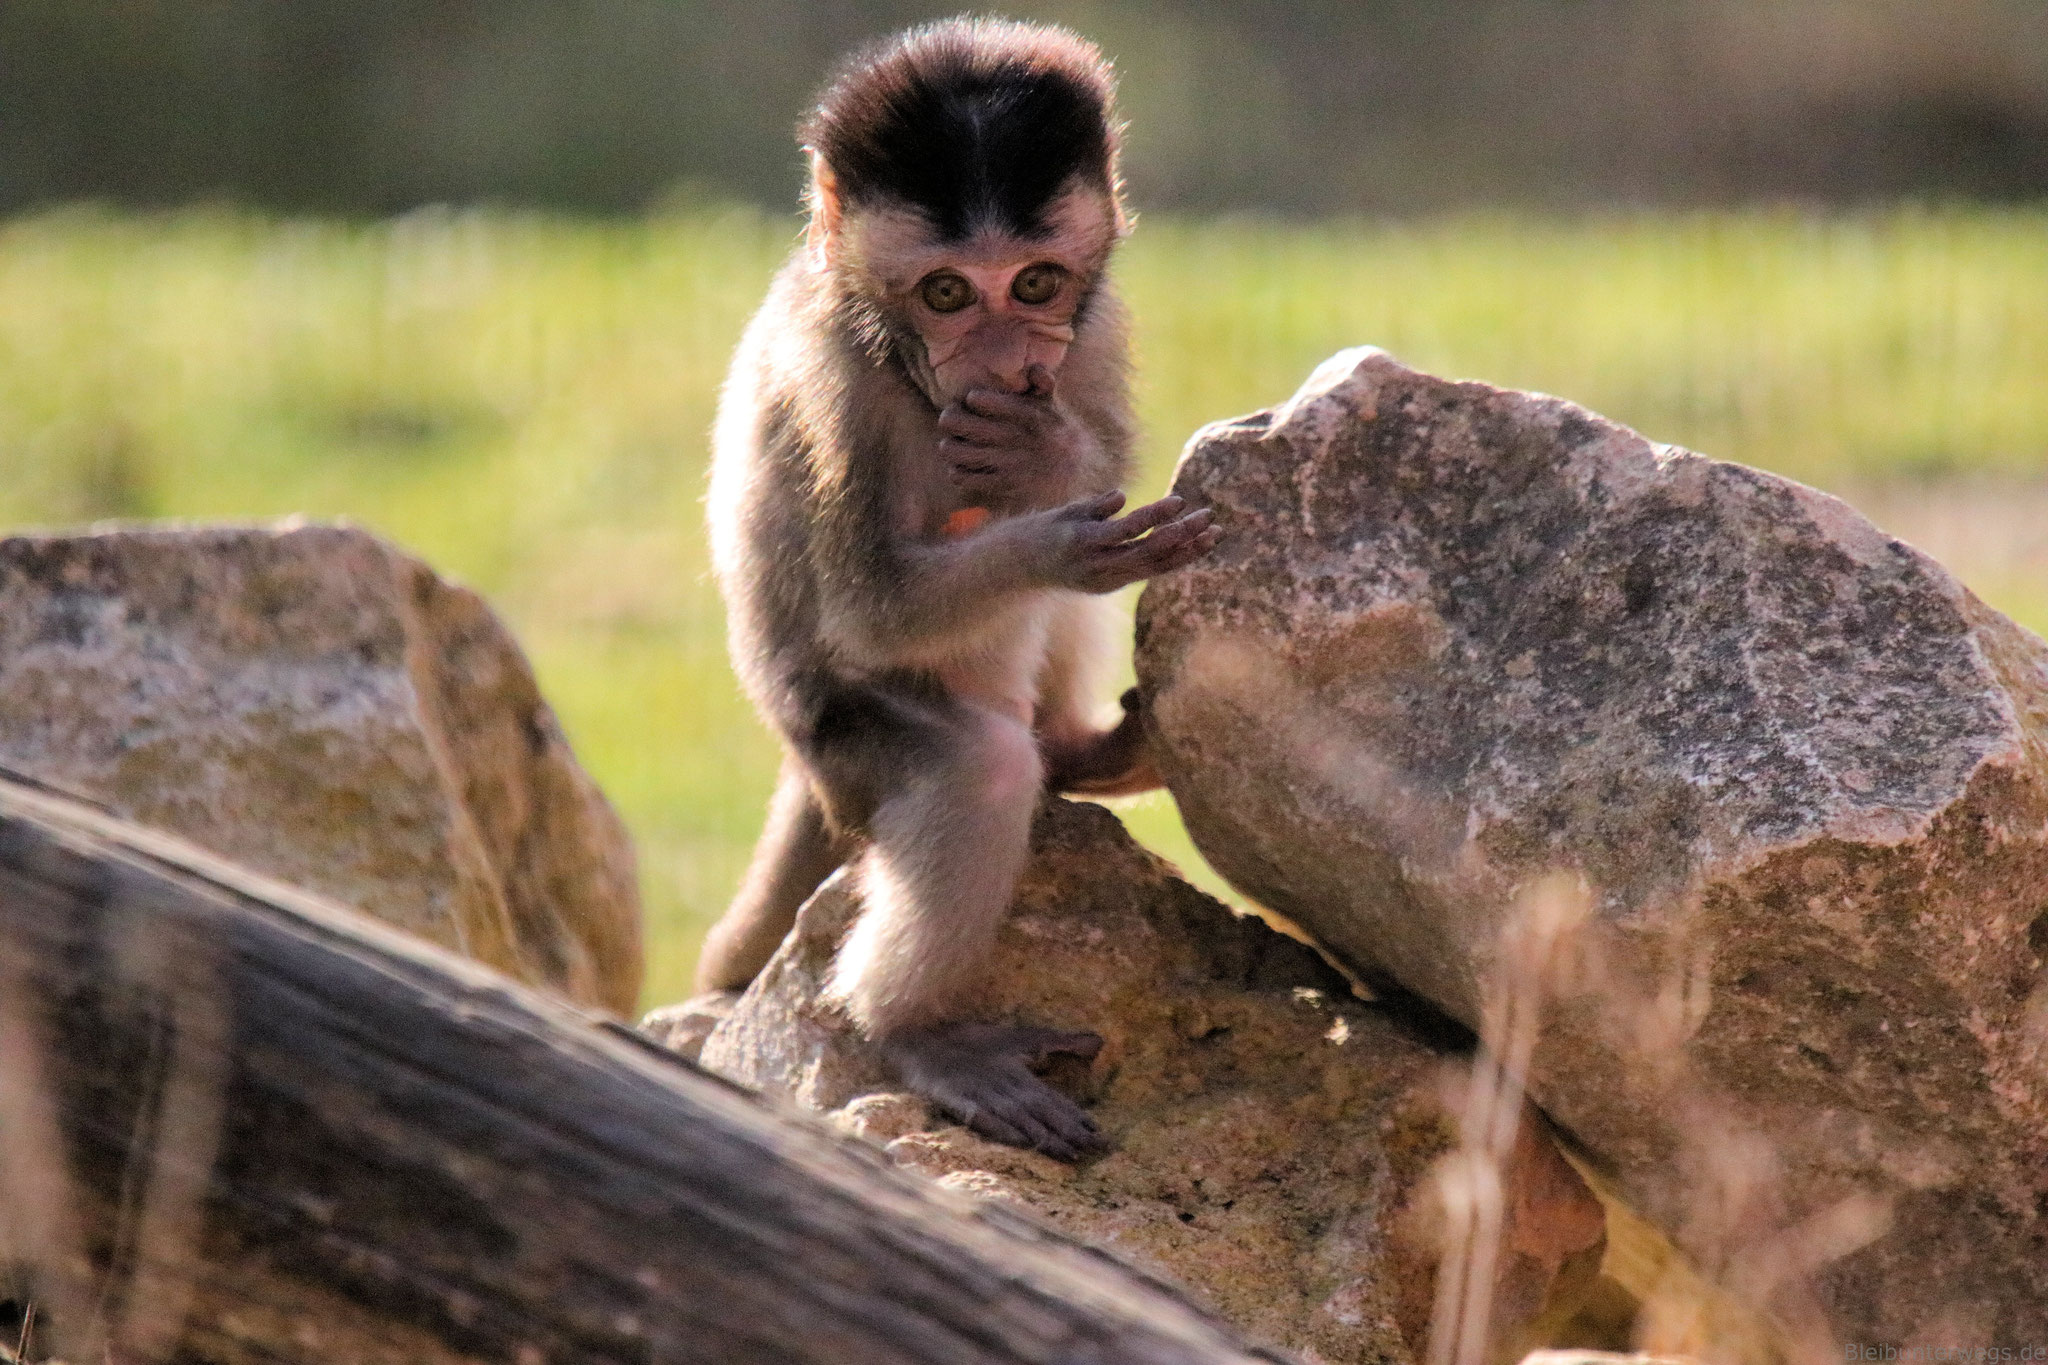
(914, 513)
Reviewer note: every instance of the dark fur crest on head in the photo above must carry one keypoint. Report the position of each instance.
(971, 121)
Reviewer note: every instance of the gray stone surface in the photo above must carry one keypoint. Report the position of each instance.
(1459, 636)
(321, 708)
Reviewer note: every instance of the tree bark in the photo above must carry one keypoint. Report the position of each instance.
(240, 1124)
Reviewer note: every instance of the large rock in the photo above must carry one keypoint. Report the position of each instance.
(1276, 1142)
(319, 707)
(1459, 636)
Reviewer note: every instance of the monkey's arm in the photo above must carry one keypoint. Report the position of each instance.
(931, 591)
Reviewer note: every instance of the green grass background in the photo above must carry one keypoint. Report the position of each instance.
(524, 400)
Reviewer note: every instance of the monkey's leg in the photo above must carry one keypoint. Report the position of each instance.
(946, 847)
(1083, 647)
(796, 852)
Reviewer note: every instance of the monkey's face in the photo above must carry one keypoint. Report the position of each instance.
(987, 309)
(984, 324)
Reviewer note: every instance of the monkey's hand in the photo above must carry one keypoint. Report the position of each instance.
(1091, 549)
(1018, 449)
(1114, 762)
(982, 1075)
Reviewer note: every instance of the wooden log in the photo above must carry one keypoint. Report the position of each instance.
(239, 1124)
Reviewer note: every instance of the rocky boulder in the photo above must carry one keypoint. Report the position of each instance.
(1459, 637)
(1276, 1143)
(317, 706)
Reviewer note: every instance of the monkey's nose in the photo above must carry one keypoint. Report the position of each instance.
(1005, 353)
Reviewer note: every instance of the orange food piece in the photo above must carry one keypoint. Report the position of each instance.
(965, 522)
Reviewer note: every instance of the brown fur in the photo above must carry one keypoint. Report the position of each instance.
(824, 458)
(926, 682)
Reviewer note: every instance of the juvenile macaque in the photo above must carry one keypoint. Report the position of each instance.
(913, 513)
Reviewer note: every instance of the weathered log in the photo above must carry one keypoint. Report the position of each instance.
(240, 1124)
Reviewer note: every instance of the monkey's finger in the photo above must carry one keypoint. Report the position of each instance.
(1056, 1125)
(964, 459)
(1021, 410)
(960, 424)
(1167, 548)
(996, 1128)
(1109, 535)
(1075, 1129)
(1045, 1139)
(1180, 543)
(1160, 518)
(1134, 524)
(1058, 1150)
(1098, 508)
(1066, 1120)
(1166, 556)
(1025, 1111)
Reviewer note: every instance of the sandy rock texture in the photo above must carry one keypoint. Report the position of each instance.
(685, 1026)
(322, 708)
(1459, 636)
(1275, 1140)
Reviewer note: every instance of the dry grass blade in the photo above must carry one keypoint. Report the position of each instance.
(1534, 952)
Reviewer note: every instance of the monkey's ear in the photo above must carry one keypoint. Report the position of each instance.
(822, 236)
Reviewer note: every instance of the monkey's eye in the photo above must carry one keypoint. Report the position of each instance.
(945, 292)
(1037, 283)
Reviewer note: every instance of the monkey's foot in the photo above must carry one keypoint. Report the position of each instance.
(981, 1074)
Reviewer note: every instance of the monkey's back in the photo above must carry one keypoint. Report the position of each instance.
(759, 513)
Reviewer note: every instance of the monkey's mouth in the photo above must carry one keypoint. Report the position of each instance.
(996, 357)
(918, 367)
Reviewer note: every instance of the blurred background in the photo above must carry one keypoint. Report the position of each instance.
(467, 271)
(1273, 107)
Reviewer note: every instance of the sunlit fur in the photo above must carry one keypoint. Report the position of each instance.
(972, 122)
